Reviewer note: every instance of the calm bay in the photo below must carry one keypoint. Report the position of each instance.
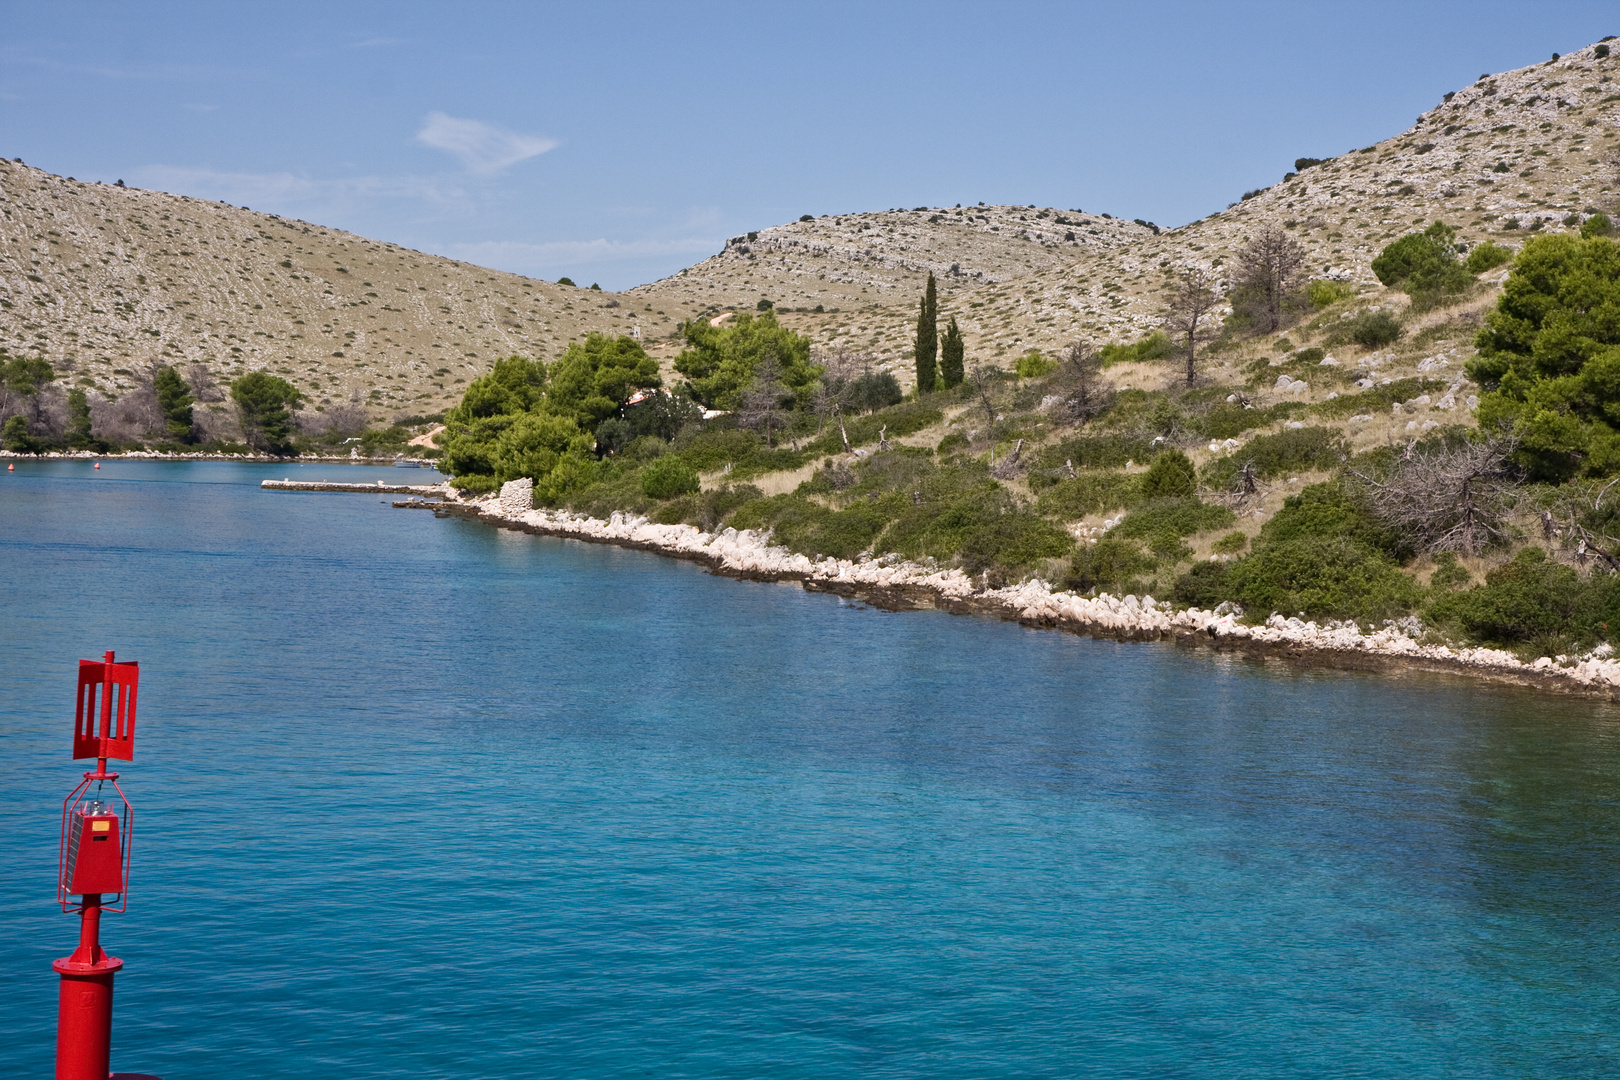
(420, 797)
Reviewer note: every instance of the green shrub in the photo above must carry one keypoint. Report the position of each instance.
(1032, 365)
(1320, 577)
(952, 443)
(1230, 544)
(668, 477)
(707, 510)
(1424, 265)
(1112, 564)
(1174, 517)
(745, 451)
(875, 390)
(476, 483)
(1325, 292)
(812, 529)
(1487, 256)
(1171, 476)
(1011, 541)
(645, 449)
(616, 488)
(1536, 601)
(1328, 510)
(1090, 493)
(955, 512)
(1156, 346)
(1307, 357)
(1102, 451)
(902, 419)
(1204, 585)
(1448, 572)
(1228, 420)
(1597, 225)
(1374, 329)
(1286, 453)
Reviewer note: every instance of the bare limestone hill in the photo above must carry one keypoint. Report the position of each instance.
(855, 260)
(1513, 153)
(103, 280)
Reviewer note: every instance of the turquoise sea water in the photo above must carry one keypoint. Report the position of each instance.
(418, 797)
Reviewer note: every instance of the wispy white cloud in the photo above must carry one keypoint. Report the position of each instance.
(483, 149)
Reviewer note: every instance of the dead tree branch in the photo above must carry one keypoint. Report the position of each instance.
(1454, 498)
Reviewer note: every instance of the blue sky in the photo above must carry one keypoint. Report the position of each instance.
(620, 142)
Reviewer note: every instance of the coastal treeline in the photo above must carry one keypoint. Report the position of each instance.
(175, 409)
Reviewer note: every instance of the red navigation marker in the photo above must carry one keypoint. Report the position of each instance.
(93, 863)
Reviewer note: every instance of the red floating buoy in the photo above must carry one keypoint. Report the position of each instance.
(98, 464)
(11, 468)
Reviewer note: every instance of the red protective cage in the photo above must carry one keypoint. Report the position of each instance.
(104, 721)
(124, 836)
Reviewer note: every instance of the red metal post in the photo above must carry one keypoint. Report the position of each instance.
(84, 1002)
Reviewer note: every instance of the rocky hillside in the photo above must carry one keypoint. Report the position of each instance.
(1526, 150)
(1522, 151)
(860, 260)
(103, 280)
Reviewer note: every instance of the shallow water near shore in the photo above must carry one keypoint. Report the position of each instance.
(420, 797)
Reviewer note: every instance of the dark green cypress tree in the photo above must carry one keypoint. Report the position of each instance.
(951, 353)
(927, 338)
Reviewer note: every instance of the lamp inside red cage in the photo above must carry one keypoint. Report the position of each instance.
(97, 824)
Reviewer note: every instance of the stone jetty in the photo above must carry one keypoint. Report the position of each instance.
(424, 490)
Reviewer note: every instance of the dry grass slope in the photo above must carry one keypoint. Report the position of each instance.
(103, 280)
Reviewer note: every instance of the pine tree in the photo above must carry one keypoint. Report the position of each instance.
(927, 338)
(174, 399)
(78, 433)
(951, 353)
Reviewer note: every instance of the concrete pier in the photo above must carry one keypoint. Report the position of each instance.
(372, 489)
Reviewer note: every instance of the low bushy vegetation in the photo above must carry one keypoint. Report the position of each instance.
(1400, 530)
(1369, 329)
(1288, 452)
(1425, 266)
(1155, 346)
(1323, 556)
(1535, 604)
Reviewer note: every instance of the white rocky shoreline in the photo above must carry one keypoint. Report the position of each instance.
(890, 581)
